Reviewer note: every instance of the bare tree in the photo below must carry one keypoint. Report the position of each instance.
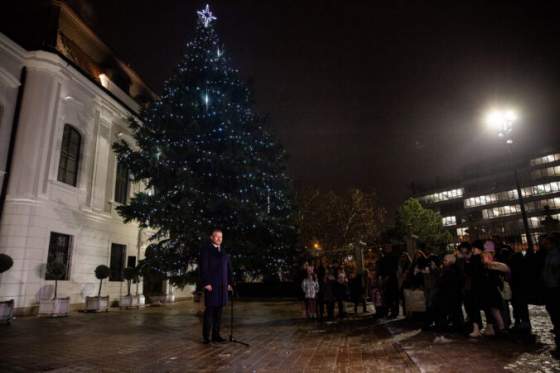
(333, 221)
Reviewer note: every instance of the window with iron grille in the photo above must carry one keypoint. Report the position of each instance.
(118, 253)
(122, 183)
(59, 251)
(69, 156)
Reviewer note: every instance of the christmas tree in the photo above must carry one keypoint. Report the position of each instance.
(207, 161)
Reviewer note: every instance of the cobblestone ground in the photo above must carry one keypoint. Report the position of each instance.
(167, 339)
(461, 354)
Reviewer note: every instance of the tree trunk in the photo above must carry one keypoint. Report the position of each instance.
(55, 288)
(129, 283)
(100, 283)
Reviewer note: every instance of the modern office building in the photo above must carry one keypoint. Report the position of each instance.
(484, 201)
(65, 98)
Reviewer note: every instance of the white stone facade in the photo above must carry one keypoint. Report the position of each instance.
(56, 94)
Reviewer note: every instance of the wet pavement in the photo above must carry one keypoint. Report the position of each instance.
(511, 353)
(167, 339)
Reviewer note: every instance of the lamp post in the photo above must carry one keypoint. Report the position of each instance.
(502, 121)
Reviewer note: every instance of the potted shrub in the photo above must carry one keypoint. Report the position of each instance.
(7, 306)
(99, 303)
(55, 307)
(132, 274)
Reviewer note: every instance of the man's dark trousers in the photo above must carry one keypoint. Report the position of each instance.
(212, 320)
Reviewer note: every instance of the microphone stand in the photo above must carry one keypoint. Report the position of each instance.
(231, 339)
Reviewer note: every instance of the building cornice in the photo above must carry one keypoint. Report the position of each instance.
(11, 47)
(52, 61)
(10, 80)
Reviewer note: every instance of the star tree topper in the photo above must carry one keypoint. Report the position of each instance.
(206, 15)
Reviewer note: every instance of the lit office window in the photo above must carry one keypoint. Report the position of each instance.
(500, 211)
(534, 221)
(546, 159)
(443, 196)
(489, 199)
(462, 232)
(546, 172)
(541, 189)
(448, 221)
(534, 235)
(553, 203)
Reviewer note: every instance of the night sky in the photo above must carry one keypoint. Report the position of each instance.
(361, 94)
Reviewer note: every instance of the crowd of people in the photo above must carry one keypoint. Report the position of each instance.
(481, 278)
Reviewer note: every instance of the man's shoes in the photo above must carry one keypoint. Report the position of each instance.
(218, 339)
(476, 331)
(206, 341)
(489, 331)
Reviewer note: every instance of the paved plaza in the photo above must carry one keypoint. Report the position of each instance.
(167, 339)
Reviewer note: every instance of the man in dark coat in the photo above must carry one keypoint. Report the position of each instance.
(550, 279)
(216, 280)
(387, 271)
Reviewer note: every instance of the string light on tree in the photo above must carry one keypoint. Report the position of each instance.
(206, 100)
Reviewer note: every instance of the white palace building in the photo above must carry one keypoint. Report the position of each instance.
(64, 99)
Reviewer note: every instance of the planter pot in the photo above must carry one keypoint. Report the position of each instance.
(162, 299)
(58, 307)
(414, 301)
(132, 301)
(97, 304)
(6, 311)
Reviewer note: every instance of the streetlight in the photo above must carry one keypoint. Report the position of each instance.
(502, 122)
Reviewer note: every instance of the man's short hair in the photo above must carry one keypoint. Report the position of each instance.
(214, 230)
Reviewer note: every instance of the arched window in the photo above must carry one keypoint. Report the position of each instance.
(69, 156)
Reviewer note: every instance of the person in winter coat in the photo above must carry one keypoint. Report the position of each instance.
(216, 280)
(320, 301)
(341, 292)
(446, 305)
(551, 282)
(387, 270)
(310, 288)
(470, 264)
(357, 291)
(491, 297)
(375, 293)
(328, 295)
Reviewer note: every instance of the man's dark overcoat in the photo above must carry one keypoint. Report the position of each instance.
(215, 270)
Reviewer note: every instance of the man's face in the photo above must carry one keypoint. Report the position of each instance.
(216, 238)
(466, 253)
